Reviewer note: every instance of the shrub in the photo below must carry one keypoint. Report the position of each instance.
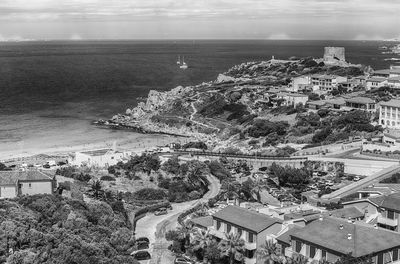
(107, 178)
(150, 194)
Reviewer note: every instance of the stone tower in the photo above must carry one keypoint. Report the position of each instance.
(334, 54)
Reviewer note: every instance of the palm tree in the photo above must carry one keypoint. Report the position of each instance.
(269, 253)
(232, 247)
(96, 188)
(230, 190)
(297, 259)
(185, 230)
(201, 241)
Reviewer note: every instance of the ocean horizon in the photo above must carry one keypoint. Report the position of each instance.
(53, 90)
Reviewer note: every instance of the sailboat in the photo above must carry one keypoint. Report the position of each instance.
(178, 62)
(183, 65)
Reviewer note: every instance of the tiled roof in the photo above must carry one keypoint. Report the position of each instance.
(360, 100)
(247, 219)
(376, 79)
(285, 237)
(319, 102)
(391, 103)
(391, 201)
(11, 177)
(345, 213)
(385, 71)
(205, 221)
(364, 240)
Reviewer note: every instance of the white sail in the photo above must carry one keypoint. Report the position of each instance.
(183, 65)
(178, 62)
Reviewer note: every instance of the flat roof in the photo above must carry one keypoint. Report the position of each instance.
(360, 100)
(319, 102)
(332, 233)
(345, 213)
(245, 218)
(376, 79)
(11, 177)
(205, 221)
(384, 71)
(391, 103)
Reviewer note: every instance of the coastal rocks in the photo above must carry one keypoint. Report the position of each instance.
(224, 79)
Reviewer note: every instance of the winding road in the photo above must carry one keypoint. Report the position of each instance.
(155, 227)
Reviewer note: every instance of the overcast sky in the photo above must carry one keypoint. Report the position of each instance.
(197, 19)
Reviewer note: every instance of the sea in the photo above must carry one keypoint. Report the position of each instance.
(51, 91)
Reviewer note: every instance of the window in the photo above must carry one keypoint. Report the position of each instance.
(297, 246)
(240, 231)
(228, 228)
(395, 254)
(323, 255)
(251, 237)
(312, 251)
(30, 185)
(218, 224)
(390, 214)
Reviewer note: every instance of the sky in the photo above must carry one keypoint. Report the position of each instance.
(199, 19)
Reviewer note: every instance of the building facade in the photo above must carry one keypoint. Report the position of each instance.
(254, 228)
(29, 182)
(361, 103)
(389, 114)
(102, 158)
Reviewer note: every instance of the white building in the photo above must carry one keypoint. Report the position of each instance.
(293, 99)
(326, 82)
(298, 83)
(389, 114)
(376, 82)
(394, 82)
(102, 158)
(28, 182)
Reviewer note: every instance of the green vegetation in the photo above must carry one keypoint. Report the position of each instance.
(262, 128)
(291, 177)
(395, 178)
(74, 173)
(51, 229)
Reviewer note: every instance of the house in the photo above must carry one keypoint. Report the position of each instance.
(336, 103)
(385, 73)
(102, 158)
(393, 82)
(254, 228)
(385, 209)
(389, 114)
(316, 105)
(299, 83)
(28, 182)
(376, 82)
(331, 238)
(361, 103)
(349, 213)
(292, 99)
(326, 82)
(203, 222)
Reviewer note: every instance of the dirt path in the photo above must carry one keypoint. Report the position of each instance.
(155, 227)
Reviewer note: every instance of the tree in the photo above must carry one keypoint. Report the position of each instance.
(201, 241)
(297, 259)
(185, 230)
(172, 165)
(3, 167)
(269, 253)
(97, 188)
(232, 247)
(212, 252)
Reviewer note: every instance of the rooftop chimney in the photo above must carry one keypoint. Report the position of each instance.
(375, 226)
(341, 226)
(349, 220)
(321, 218)
(349, 236)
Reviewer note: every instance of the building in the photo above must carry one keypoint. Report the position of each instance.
(299, 83)
(376, 82)
(389, 114)
(349, 213)
(384, 209)
(316, 105)
(102, 158)
(254, 228)
(292, 99)
(28, 182)
(326, 82)
(361, 103)
(331, 238)
(394, 82)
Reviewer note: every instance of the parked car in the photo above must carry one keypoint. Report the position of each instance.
(142, 239)
(142, 245)
(141, 255)
(161, 211)
(183, 260)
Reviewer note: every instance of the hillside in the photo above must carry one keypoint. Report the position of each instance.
(235, 109)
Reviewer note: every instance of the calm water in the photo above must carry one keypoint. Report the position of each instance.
(50, 91)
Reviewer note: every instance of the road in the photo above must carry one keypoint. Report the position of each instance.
(155, 227)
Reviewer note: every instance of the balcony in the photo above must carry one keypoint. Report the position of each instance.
(387, 221)
(217, 233)
(250, 246)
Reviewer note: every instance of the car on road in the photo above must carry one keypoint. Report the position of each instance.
(161, 211)
(141, 255)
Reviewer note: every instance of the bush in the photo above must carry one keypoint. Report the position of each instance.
(262, 128)
(150, 194)
(194, 195)
(195, 145)
(107, 178)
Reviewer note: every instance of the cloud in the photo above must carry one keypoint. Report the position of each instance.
(13, 38)
(280, 36)
(75, 37)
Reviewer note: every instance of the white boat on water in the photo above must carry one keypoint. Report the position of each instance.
(183, 66)
(178, 62)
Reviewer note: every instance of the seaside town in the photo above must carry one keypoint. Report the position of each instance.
(289, 161)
